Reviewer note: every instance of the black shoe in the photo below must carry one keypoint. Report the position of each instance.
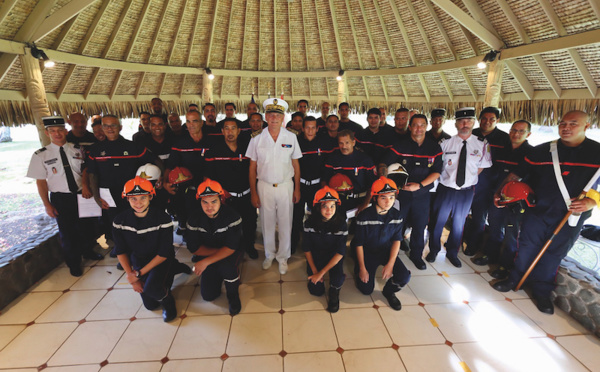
(93, 256)
(169, 309)
(404, 245)
(454, 261)
(481, 261)
(252, 253)
(181, 268)
(544, 304)
(504, 285)
(418, 261)
(469, 252)
(393, 301)
(76, 271)
(430, 257)
(500, 273)
(333, 304)
(119, 266)
(235, 305)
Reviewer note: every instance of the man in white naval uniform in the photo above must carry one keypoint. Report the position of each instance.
(275, 181)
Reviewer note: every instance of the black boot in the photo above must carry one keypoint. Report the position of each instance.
(389, 292)
(252, 252)
(169, 309)
(333, 305)
(235, 305)
(181, 268)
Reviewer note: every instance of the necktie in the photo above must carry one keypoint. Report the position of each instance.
(462, 165)
(68, 172)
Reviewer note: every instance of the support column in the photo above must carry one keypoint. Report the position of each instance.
(36, 92)
(494, 84)
(341, 94)
(207, 89)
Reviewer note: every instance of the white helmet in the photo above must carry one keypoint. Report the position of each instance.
(149, 172)
(398, 174)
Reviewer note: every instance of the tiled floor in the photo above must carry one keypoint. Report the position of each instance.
(451, 320)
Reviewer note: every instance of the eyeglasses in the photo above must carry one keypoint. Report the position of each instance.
(522, 131)
(110, 126)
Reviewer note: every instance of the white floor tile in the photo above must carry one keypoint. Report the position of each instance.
(252, 272)
(380, 360)
(253, 334)
(558, 324)
(455, 321)
(261, 363)
(413, 270)
(430, 358)
(502, 320)
(27, 307)
(145, 339)
(204, 365)
(431, 289)
(351, 297)
(35, 345)
(442, 265)
(72, 306)
(360, 329)
(472, 287)
(198, 306)
(314, 362)
(8, 333)
(132, 367)
(91, 342)
(295, 297)
(117, 304)
(585, 348)
(98, 277)
(57, 280)
(308, 331)
(406, 295)
(80, 368)
(260, 297)
(296, 269)
(107, 261)
(524, 355)
(411, 326)
(201, 337)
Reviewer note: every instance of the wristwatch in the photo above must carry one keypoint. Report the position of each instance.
(420, 185)
(137, 273)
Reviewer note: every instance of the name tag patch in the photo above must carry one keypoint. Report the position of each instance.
(286, 146)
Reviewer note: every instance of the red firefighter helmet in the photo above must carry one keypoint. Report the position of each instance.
(209, 188)
(517, 195)
(326, 194)
(180, 175)
(383, 186)
(138, 186)
(341, 183)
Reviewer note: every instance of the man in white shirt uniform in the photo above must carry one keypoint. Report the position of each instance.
(275, 181)
(465, 156)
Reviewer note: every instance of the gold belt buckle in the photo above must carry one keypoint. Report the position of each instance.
(275, 184)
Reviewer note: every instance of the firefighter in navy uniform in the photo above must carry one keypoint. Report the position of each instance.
(189, 152)
(375, 140)
(422, 159)
(78, 134)
(144, 239)
(489, 178)
(577, 161)
(500, 219)
(377, 242)
(350, 172)
(57, 170)
(464, 157)
(311, 168)
(213, 236)
(345, 122)
(227, 164)
(329, 133)
(436, 132)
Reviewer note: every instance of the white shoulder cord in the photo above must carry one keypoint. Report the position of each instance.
(573, 219)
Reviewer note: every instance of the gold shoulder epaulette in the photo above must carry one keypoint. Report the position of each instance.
(256, 133)
(292, 130)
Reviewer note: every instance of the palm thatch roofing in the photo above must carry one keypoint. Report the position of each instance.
(115, 55)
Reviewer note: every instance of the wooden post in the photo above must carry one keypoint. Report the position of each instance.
(36, 93)
(207, 89)
(341, 94)
(494, 84)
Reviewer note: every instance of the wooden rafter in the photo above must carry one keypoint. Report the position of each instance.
(321, 44)
(176, 33)
(440, 27)
(162, 84)
(64, 32)
(362, 9)
(228, 35)
(290, 48)
(113, 88)
(136, 31)
(161, 22)
(243, 45)
(517, 71)
(595, 7)
(7, 6)
(470, 84)
(422, 31)
(59, 17)
(404, 33)
(403, 86)
(189, 49)
(553, 17)
(353, 28)
(446, 85)
(424, 86)
(305, 49)
(338, 42)
(470, 39)
(479, 16)
(548, 74)
(212, 34)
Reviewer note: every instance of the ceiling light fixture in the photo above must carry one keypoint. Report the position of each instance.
(340, 75)
(490, 57)
(209, 73)
(40, 54)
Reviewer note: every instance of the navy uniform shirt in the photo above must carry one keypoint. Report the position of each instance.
(229, 168)
(419, 161)
(238, 121)
(144, 238)
(162, 149)
(320, 123)
(313, 157)
(191, 155)
(376, 232)
(509, 159)
(443, 136)
(499, 141)
(87, 140)
(358, 166)
(375, 144)
(577, 165)
(329, 143)
(225, 230)
(116, 162)
(353, 126)
(324, 243)
(397, 137)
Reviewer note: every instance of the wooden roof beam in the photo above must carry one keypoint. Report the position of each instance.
(469, 23)
(63, 33)
(595, 5)
(385, 32)
(229, 34)
(470, 84)
(553, 17)
(115, 84)
(7, 6)
(404, 33)
(440, 28)
(517, 71)
(212, 34)
(305, 48)
(320, 36)
(243, 44)
(59, 17)
(338, 42)
(136, 31)
(360, 64)
(189, 49)
(161, 22)
(140, 83)
(415, 16)
(447, 85)
(548, 74)
(583, 71)
(424, 86)
(403, 86)
(177, 29)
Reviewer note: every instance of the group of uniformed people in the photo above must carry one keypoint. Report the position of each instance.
(315, 182)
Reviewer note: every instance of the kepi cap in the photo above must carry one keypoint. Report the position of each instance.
(275, 105)
(438, 112)
(53, 121)
(465, 113)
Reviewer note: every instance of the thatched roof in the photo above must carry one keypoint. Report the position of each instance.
(116, 55)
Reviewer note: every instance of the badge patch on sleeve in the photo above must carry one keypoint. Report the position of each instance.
(286, 146)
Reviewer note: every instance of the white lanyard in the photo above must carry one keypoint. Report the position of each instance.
(559, 180)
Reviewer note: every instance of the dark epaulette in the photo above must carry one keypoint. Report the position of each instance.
(77, 146)
(292, 130)
(256, 133)
(481, 138)
(40, 150)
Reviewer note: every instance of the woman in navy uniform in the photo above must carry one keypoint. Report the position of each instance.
(213, 236)
(324, 245)
(377, 242)
(144, 246)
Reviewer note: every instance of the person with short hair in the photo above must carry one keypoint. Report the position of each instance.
(177, 129)
(230, 111)
(209, 124)
(345, 122)
(324, 245)
(97, 128)
(330, 131)
(377, 242)
(374, 140)
(325, 107)
(193, 107)
(78, 134)
(143, 127)
(401, 124)
(436, 132)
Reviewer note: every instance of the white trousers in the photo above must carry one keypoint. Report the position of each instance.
(276, 209)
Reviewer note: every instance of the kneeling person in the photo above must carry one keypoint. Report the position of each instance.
(144, 246)
(214, 236)
(377, 242)
(324, 245)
